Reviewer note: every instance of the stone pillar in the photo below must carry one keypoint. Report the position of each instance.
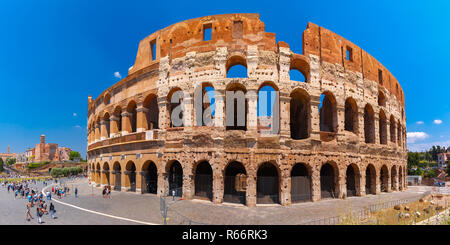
(342, 186)
(362, 136)
(220, 108)
(97, 132)
(285, 105)
(188, 109)
(252, 61)
(103, 130)
(164, 118)
(362, 181)
(252, 116)
(377, 182)
(188, 184)
(161, 186)
(125, 180)
(285, 190)
(112, 179)
(217, 187)
(315, 184)
(113, 126)
(220, 61)
(340, 110)
(285, 63)
(315, 122)
(139, 178)
(377, 128)
(126, 123)
(141, 118)
(389, 187)
(251, 189)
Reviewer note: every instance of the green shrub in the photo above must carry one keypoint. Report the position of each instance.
(64, 172)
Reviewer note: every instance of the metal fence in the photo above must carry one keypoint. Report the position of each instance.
(363, 213)
(176, 218)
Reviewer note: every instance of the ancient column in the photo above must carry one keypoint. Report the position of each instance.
(113, 126)
(141, 118)
(126, 123)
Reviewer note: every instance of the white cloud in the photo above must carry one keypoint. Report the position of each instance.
(75, 114)
(412, 137)
(437, 121)
(77, 126)
(117, 74)
(427, 146)
(419, 122)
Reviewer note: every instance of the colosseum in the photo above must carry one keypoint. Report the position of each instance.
(341, 129)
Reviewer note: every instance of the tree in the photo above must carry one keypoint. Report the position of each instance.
(74, 154)
(10, 161)
(1, 164)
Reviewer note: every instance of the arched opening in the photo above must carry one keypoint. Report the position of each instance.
(371, 179)
(235, 183)
(152, 112)
(150, 178)
(392, 128)
(106, 174)
(369, 124)
(300, 183)
(106, 99)
(266, 111)
(175, 178)
(383, 128)
(131, 172)
(384, 179)
(203, 181)
(107, 124)
(328, 181)
(118, 118)
(97, 174)
(351, 115)
(393, 178)
(381, 99)
(267, 186)
(205, 106)
(300, 111)
(298, 70)
(131, 109)
(236, 67)
(328, 113)
(352, 180)
(399, 134)
(117, 176)
(235, 112)
(174, 103)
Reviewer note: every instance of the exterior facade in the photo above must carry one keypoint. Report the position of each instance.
(342, 131)
(443, 160)
(47, 152)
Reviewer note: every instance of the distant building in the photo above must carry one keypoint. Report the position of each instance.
(48, 152)
(443, 159)
(5, 156)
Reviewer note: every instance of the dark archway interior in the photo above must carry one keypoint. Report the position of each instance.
(235, 183)
(131, 168)
(326, 112)
(370, 180)
(351, 181)
(369, 125)
(300, 184)
(150, 178)
(384, 179)
(118, 180)
(203, 180)
(327, 181)
(267, 184)
(350, 117)
(299, 110)
(176, 179)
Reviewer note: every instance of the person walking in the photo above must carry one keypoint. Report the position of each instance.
(28, 212)
(52, 210)
(38, 214)
(76, 192)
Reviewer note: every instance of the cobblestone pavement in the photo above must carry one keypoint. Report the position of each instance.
(146, 208)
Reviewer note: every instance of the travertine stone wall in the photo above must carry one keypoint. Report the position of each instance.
(184, 60)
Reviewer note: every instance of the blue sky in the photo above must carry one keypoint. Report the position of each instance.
(53, 54)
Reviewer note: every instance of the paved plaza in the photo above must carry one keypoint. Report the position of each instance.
(90, 208)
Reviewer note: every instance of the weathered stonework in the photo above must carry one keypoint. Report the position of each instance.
(363, 129)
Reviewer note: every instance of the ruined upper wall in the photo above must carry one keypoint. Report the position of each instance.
(187, 36)
(332, 48)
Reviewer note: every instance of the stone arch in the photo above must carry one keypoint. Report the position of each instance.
(384, 179)
(203, 180)
(235, 182)
(371, 179)
(132, 118)
(353, 180)
(300, 114)
(392, 128)
(329, 177)
(233, 62)
(369, 124)
(328, 112)
(107, 98)
(171, 106)
(301, 66)
(206, 94)
(266, 101)
(381, 98)
(237, 92)
(382, 127)
(105, 173)
(130, 171)
(268, 183)
(174, 170)
(117, 171)
(118, 115)
(301, 185)
(149, 178)
(351, 115)
(106, 120)
(151, 112)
